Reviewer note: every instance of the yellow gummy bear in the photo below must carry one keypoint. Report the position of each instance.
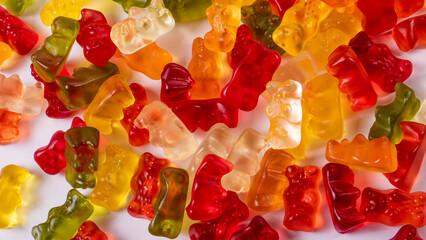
(11, 179)
(65, 8)
(113, 96)
(114, 176)
(5, 52)
(299, 23)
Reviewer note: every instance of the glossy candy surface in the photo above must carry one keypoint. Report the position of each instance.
(379, 16)
(127, 4)
(89, 231)
(176, 83)
(16, 7)
(407, 232)
(404, 8)
(187, 10)
(145, 185)
(65, 8)
(9, 126)
(281, 6)
(5, 52)
(258, 229)
(410, 32)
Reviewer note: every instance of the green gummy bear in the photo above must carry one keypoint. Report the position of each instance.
(63, 221)
(82, 156)
(16, 7)
(187, 10)
(262, 23)
(403, 108)
(170, 203)
(79, 90)
(49, 60)
(127, 4)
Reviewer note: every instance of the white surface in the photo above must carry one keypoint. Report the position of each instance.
(50, 191)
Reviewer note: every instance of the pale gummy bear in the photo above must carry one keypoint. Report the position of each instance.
(245, 158)
(166, 130)
(421, 114)
(18, 98)
(285, 114)
(142, 27)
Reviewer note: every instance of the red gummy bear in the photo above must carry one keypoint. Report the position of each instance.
(90, 231)
(282, 5)
(206, 113)
(234, 211)
(94, 37)
(243, 43)
(405, 8)
(176, 82)
(16, 33)
(407, 232)
(56, 108)
(344, 64)
(137, 136)
(145, 185)
(207, 191)
(394, 207)
(411, 151)
(379, 15)
(341, 197)
(251, 74)
(302, 198)
(410, 31)
(258, 229)
(382, 67)
(51, 158)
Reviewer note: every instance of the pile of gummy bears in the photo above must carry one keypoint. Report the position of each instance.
(300, 56)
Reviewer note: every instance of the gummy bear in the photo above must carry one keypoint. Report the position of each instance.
(404, 8)
(176, 83)
(16, 7)
(207, 191)
(410, 32)
(5, 52)
(339, 3)
(9, 126)
(187, 10)
(282, 5)
(65, 8)
(94, 37)
(145, 185)
(243, 44)
(258, 229)
(89, 231)
(342, 196)
(407, 232)
(127, 4)
(379, 16)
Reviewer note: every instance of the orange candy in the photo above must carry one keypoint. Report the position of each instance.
(9, 129)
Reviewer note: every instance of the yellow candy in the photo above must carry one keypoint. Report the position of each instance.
(299, 23)
(114, 177)
(113, 96)
(5, 52)
(323, 107)
(65, 8)
(11, 179)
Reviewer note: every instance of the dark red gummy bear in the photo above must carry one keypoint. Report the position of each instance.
(258, 229)
(176, 82)
(207, 190)
(51, 158)
(90, 231)
(56, 108)
(94, 37)
(16, 33)
(382, 67)
(145, 185)
(243, 43)
(137, 136)
(407, 232)
(410, 32)
(234, 211)
(251, 73)
(411, 151)
(206, 113)
(341, 197)
(379, 15)
(282, 5)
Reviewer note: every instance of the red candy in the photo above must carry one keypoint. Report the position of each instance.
(250, 75)
(410, 32)
(302, 198)
(146, 185)
(258, 229)
(344, 64)
(234, 211)
(379, 15)
(382, 67)
(411, 151)
(207, 191)
(137, 136)
(51, 158)
(56, 108)
(94, 37)
(341, 197)
(394, 207)
(243, 43)
(405, 8)
(407, 232)
(90, 231)
(176, 82)
(282, 5)
(206, 113)
(16, 33)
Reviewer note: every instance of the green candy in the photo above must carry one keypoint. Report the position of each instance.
(49, 60)
(81, 155)
(16, 7)
(127, 4)
(167, 221)
(79, 90)
(403, 108)
(262, 23)
(63, 221)
(187, 10)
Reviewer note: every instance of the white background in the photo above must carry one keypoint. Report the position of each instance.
(50, 191)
